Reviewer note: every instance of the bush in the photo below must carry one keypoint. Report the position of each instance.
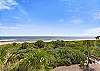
(39, 44)
(24, 45)
(58, 43)
(67, 56)
(55, 53)
(28, 60)
(14, 44)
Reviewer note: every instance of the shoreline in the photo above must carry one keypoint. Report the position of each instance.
(4, 42)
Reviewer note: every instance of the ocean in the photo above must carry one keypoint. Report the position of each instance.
(45, 38)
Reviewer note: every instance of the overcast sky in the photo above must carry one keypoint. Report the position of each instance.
(50, 17)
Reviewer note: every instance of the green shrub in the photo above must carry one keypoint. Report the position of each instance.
(24, 45)
(39, 44)
(58, 43)
(28, 60)
(67, 56)
(24, 57)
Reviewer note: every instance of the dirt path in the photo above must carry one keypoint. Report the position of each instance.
(96, 67)
(68, 68)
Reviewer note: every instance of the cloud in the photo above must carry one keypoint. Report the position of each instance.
(92, 32)
(61, 20)
(7, 4)
(8, 28)
(97, 15)
(11, 30)
(26, 29)
(0, 24)
(64, 0)
(16, 17)
(75, 21)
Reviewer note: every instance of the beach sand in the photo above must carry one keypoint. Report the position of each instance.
(3, 42)
(9, 42)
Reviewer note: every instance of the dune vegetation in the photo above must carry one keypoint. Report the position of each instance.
(44, 56)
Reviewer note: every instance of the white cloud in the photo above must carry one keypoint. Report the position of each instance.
(7, 4)
(16, 17)
(19, 29)
(0, 24)
(8, 28)
(97, 15)
(76, 21)
(64, 0)
(61, 20)
(92, 32)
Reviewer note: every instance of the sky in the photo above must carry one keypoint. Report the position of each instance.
(49, 17)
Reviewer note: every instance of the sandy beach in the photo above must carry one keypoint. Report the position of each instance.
(10, 42)
(3, 42)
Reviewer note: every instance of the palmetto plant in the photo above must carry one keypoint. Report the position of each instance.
(39, 44)
(34, 57)
(26, 60)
